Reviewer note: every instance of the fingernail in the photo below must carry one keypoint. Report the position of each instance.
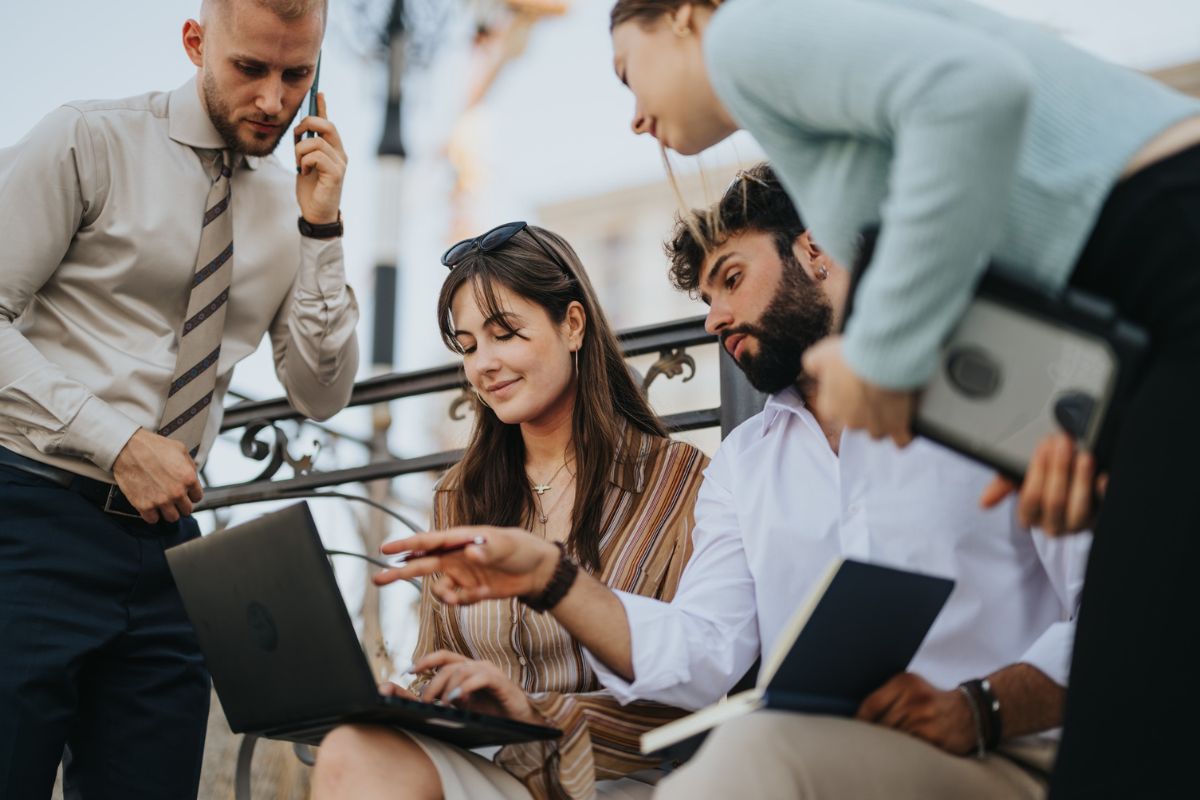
(479, 540)
(455, 693)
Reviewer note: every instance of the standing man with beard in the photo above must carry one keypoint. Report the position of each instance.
(150, 244)
(785, 493)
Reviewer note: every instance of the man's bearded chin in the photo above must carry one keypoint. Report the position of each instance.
(222, 119)
(798, 317)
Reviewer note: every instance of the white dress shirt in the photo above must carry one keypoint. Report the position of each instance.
(777, 505)
(100, 218)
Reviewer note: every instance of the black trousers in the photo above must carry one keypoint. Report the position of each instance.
(1133, 703)
(96, 653)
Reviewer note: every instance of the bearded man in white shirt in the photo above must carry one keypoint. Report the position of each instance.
(785, 493)
(150, 244)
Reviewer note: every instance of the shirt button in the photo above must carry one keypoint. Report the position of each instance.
(853, 509)
(522, 661)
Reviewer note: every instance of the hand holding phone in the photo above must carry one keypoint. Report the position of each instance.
(312, 96)
(320, 166)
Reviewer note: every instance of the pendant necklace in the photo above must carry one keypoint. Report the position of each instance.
(543, 514)
(542, 488)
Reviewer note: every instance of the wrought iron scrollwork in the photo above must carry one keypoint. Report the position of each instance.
(464, 399)
(671, 362)
(276, 454)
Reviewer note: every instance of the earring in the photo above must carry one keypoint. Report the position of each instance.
(479, 397)
(681, 31)
(577, 361)
(822, 272)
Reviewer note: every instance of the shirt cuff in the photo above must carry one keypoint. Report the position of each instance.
(658, 662)
(321, 266)
(98, 433)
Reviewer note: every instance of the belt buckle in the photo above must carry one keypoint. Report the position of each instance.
(113, 492)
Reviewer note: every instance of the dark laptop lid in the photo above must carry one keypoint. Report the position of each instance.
(272, 623)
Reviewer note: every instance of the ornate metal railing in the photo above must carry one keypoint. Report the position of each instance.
(670, 340)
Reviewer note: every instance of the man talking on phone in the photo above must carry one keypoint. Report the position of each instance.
(149, 245)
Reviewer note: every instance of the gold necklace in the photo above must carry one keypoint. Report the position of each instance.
(542, 488)
(543, 514)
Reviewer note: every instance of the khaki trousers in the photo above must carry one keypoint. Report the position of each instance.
(771, 754)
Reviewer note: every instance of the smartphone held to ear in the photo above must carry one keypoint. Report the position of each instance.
(1023, 364)
(312, 95)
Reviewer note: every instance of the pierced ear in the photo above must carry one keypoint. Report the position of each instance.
(575, 323)
(810, 256)
(807, 245)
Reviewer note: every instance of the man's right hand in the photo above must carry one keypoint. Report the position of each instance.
(157, 476)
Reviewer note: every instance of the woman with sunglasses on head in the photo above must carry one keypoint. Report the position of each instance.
(565, 446)
(971, 137)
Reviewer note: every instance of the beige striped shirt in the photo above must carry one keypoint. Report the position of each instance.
(646, 541)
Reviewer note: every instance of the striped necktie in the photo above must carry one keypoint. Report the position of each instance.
(195, 377)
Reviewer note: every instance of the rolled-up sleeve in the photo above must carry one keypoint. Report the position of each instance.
(689, 652)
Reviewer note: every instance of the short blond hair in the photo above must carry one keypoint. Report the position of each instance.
(284, 9)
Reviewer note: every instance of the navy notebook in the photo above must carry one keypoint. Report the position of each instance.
(862, 624)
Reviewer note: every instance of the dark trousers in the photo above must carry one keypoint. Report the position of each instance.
(96, 653)
(1133, 701)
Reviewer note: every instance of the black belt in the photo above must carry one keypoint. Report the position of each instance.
(107, 496)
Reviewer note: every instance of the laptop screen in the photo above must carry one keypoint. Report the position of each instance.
(272, 623)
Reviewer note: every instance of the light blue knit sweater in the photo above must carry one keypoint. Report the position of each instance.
(968, 135)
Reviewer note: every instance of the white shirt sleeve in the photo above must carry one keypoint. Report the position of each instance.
(689, 652)
(1065, 561)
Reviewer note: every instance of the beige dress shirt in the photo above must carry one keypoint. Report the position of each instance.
(100, 219)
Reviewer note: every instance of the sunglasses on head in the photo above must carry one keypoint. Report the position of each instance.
(496, 238)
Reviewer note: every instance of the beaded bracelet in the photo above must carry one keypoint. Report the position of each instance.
(559, 585)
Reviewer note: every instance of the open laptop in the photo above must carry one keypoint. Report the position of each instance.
(283, 654)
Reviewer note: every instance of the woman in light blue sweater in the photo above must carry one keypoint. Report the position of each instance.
(971, 137)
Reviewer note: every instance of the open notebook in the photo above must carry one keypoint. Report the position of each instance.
(861, 625)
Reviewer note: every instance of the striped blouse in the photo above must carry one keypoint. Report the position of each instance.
(647, 540)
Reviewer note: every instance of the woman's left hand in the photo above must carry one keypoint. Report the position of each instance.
(480, 686)
(842, 396)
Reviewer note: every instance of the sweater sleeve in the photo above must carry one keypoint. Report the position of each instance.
(876, 113)
(600, 741)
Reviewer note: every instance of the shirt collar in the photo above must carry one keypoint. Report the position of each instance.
(787, 401)
(188, 122)
(631, 461)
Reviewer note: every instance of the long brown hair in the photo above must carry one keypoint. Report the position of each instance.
(493, 487)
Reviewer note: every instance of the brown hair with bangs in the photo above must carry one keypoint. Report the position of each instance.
(494, 487)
